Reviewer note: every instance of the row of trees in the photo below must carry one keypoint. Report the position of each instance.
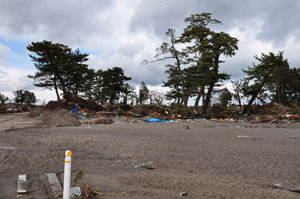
(22, 97)
(193, 71)
(63, 70)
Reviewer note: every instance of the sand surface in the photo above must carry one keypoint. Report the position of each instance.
(15, 121)
(202, 158)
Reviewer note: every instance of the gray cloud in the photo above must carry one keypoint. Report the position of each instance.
(278, 18)
(127, 32)
(130, 49)
(69, 21)
(262, 23)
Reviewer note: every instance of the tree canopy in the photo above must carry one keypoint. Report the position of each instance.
(24, 97)
(110, 84)
(3, 98)
(59, 67)
(271, 79)
(196, 66)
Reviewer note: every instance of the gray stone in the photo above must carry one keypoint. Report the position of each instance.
(53, 185)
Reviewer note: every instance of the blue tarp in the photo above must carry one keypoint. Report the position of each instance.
(157, 120)
(82, 116)
(74, 110)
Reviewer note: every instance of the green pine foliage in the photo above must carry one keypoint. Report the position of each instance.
(195, 71)
(24, 97)
(271, 80)
(59, 67)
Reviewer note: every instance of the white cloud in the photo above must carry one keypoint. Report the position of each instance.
(249, 47)
(291, 51)
(12, 79)
(4, 53)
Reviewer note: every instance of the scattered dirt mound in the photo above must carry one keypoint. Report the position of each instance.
(97, 120)
(56, 117)
(35, 113)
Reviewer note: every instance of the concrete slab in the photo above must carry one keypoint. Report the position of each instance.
(22, 185)
(53, 186)
(34, 189)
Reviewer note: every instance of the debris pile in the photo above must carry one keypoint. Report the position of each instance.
(12, 108)
(75, 110)
(273, 113)
(219, 112)
(73, 102)
(270, 113)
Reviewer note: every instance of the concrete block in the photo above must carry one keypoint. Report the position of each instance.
(53, 185)
(22, 186)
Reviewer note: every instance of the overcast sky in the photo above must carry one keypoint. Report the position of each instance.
(123, 33)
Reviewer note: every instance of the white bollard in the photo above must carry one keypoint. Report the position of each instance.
(67, 175)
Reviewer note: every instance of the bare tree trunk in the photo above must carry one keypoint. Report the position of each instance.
(56, 91)
(207, 99)
(201, 93)
(239, 98)
(254, 96)
(211, 86)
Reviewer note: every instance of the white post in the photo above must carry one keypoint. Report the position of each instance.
(67, 175)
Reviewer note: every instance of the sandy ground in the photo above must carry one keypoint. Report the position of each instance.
(202, 158)
(17, 121)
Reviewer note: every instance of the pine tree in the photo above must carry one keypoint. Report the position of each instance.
(110, 84)
(271, 79)
(24, 97)
(205, 47)
(3, 98)
(59, 67)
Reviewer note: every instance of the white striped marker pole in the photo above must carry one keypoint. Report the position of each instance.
(67, 175)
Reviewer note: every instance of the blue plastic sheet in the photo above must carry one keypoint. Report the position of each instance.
(157, 120)
(80, 116)
(74, 110)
